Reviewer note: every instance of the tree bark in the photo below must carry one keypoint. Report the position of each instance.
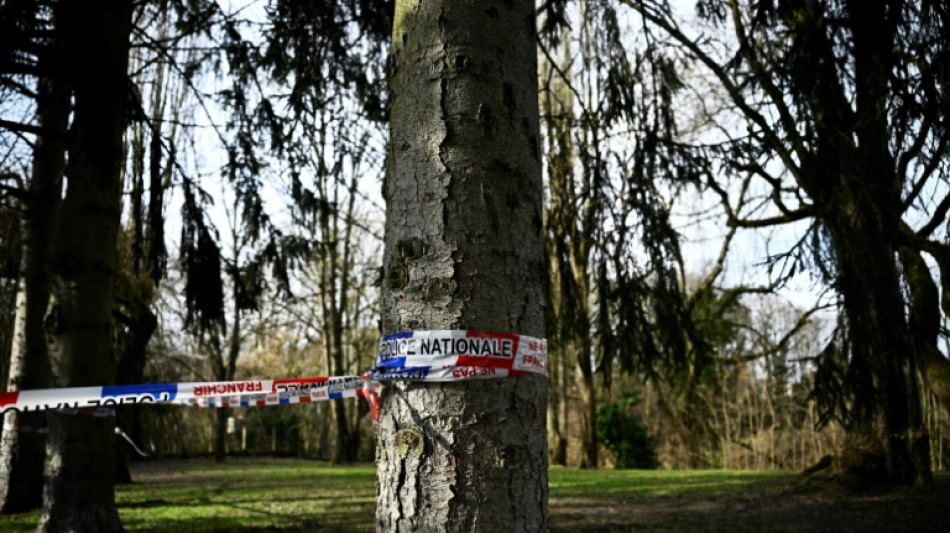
(464, 250)
(78, 494)
(22, 451)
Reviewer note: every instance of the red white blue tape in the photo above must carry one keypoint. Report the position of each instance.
(333, 388)
(454, 355)
(205, 394)
(439, 355)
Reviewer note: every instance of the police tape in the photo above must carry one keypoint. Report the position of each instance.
(453, 355)
(338, 388)
(205, 394)
(437, 355)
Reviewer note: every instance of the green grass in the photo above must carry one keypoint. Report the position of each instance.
(241, 495)
(568, 483)
(280, 494)
(295, 495)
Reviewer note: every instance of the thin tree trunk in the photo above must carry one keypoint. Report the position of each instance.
(560, 219)
(220, 446)
(464, 250)
(555, 405)
(347, 443)
(335, 286)
(562, 442)
(689, 419)
(130, 369)
(224, 369)
(79, 491)
(585, 382)
(226, 373)
(22, 451)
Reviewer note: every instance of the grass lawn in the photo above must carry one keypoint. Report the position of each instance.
(290, 495)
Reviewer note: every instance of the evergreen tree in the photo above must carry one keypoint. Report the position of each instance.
(846, 130)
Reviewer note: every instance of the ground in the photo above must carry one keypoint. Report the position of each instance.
(296, 496)
(771, 504)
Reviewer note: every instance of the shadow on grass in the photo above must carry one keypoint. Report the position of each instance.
(290, 496)
(232, 526)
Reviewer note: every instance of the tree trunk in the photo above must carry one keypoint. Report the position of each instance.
(585, 382)
(335, 292)
(863, 219)
(464, 250)
(851, 176)
(560, 220)
(344, 450)
(224, 370)
(887, 409)
(78, 494)
(562, 442)
(220, 446)
(22, 451)
(226, 373)
(348, 437)
(690, 424)
(556, 403)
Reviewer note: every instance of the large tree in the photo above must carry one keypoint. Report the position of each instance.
(78, 493)
(463, 250)
(844, 111)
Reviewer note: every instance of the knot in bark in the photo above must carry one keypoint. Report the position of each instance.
(409, 442)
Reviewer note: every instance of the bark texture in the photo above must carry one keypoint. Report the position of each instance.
(464, 250)
(22, 450)
(78, 492)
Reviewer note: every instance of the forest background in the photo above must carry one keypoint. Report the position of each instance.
(696, 311)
